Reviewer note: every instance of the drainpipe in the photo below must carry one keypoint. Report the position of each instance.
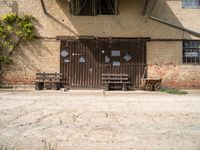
(174, 25)
(149, 12)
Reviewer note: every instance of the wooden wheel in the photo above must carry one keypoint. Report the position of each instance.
(157, 86)
(56, 86)
(149, 87)
(39, 86)
(106, 87)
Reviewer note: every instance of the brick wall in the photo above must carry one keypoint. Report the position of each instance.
(36, 56)
(164, 59)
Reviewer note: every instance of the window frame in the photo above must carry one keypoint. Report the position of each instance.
(189, 4)
(192, 46)
(95, 6)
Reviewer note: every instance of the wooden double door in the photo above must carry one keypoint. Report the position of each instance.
(83, 61)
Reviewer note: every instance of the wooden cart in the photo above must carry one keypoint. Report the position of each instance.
(151, 83)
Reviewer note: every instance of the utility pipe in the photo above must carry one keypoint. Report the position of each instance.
(175, 26)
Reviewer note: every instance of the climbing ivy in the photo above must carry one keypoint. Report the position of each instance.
(13, 30)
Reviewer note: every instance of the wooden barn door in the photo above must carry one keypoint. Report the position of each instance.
(124, 56)
(81, 66)
(84, 61)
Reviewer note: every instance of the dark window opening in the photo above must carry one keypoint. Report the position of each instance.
(191, 52)
(93, 7)
(86, 8)
(106, 7)
(83, 7)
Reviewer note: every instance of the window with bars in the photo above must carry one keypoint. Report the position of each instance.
(106, 7)
(191, 3)
(94, 7)
(191, 52)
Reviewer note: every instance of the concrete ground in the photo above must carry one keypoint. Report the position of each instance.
(94, 120)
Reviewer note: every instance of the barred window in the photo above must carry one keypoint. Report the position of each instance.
(191, 52)
(106, 7)
(191, 3)
(93, 7)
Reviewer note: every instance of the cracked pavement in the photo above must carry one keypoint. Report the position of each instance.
(88, 120)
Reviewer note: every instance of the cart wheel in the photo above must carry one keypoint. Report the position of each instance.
(106, 87)
(157, 86)
(39, 86)
(149, 87)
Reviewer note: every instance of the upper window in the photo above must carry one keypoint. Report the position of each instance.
(94, 7)
(191, 52)
(191, 3)
(106, 7)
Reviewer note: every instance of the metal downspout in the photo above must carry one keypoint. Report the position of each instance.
(149, 12)
(174, 25)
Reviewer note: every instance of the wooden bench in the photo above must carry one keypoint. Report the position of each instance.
(115, 79)
(53, 80)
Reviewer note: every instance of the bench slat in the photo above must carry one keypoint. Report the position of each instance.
(115, 78)
(48, 78)
(127, 82)
(48, 74)
(48, 81)
(114, 75)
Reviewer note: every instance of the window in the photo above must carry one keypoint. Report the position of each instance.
(191, 3)
(93, 7)
(106, 7)
(85, 8)
(191, 52)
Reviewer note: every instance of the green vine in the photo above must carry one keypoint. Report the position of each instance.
(13, 30)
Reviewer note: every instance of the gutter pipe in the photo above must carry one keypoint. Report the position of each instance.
(175, 26)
